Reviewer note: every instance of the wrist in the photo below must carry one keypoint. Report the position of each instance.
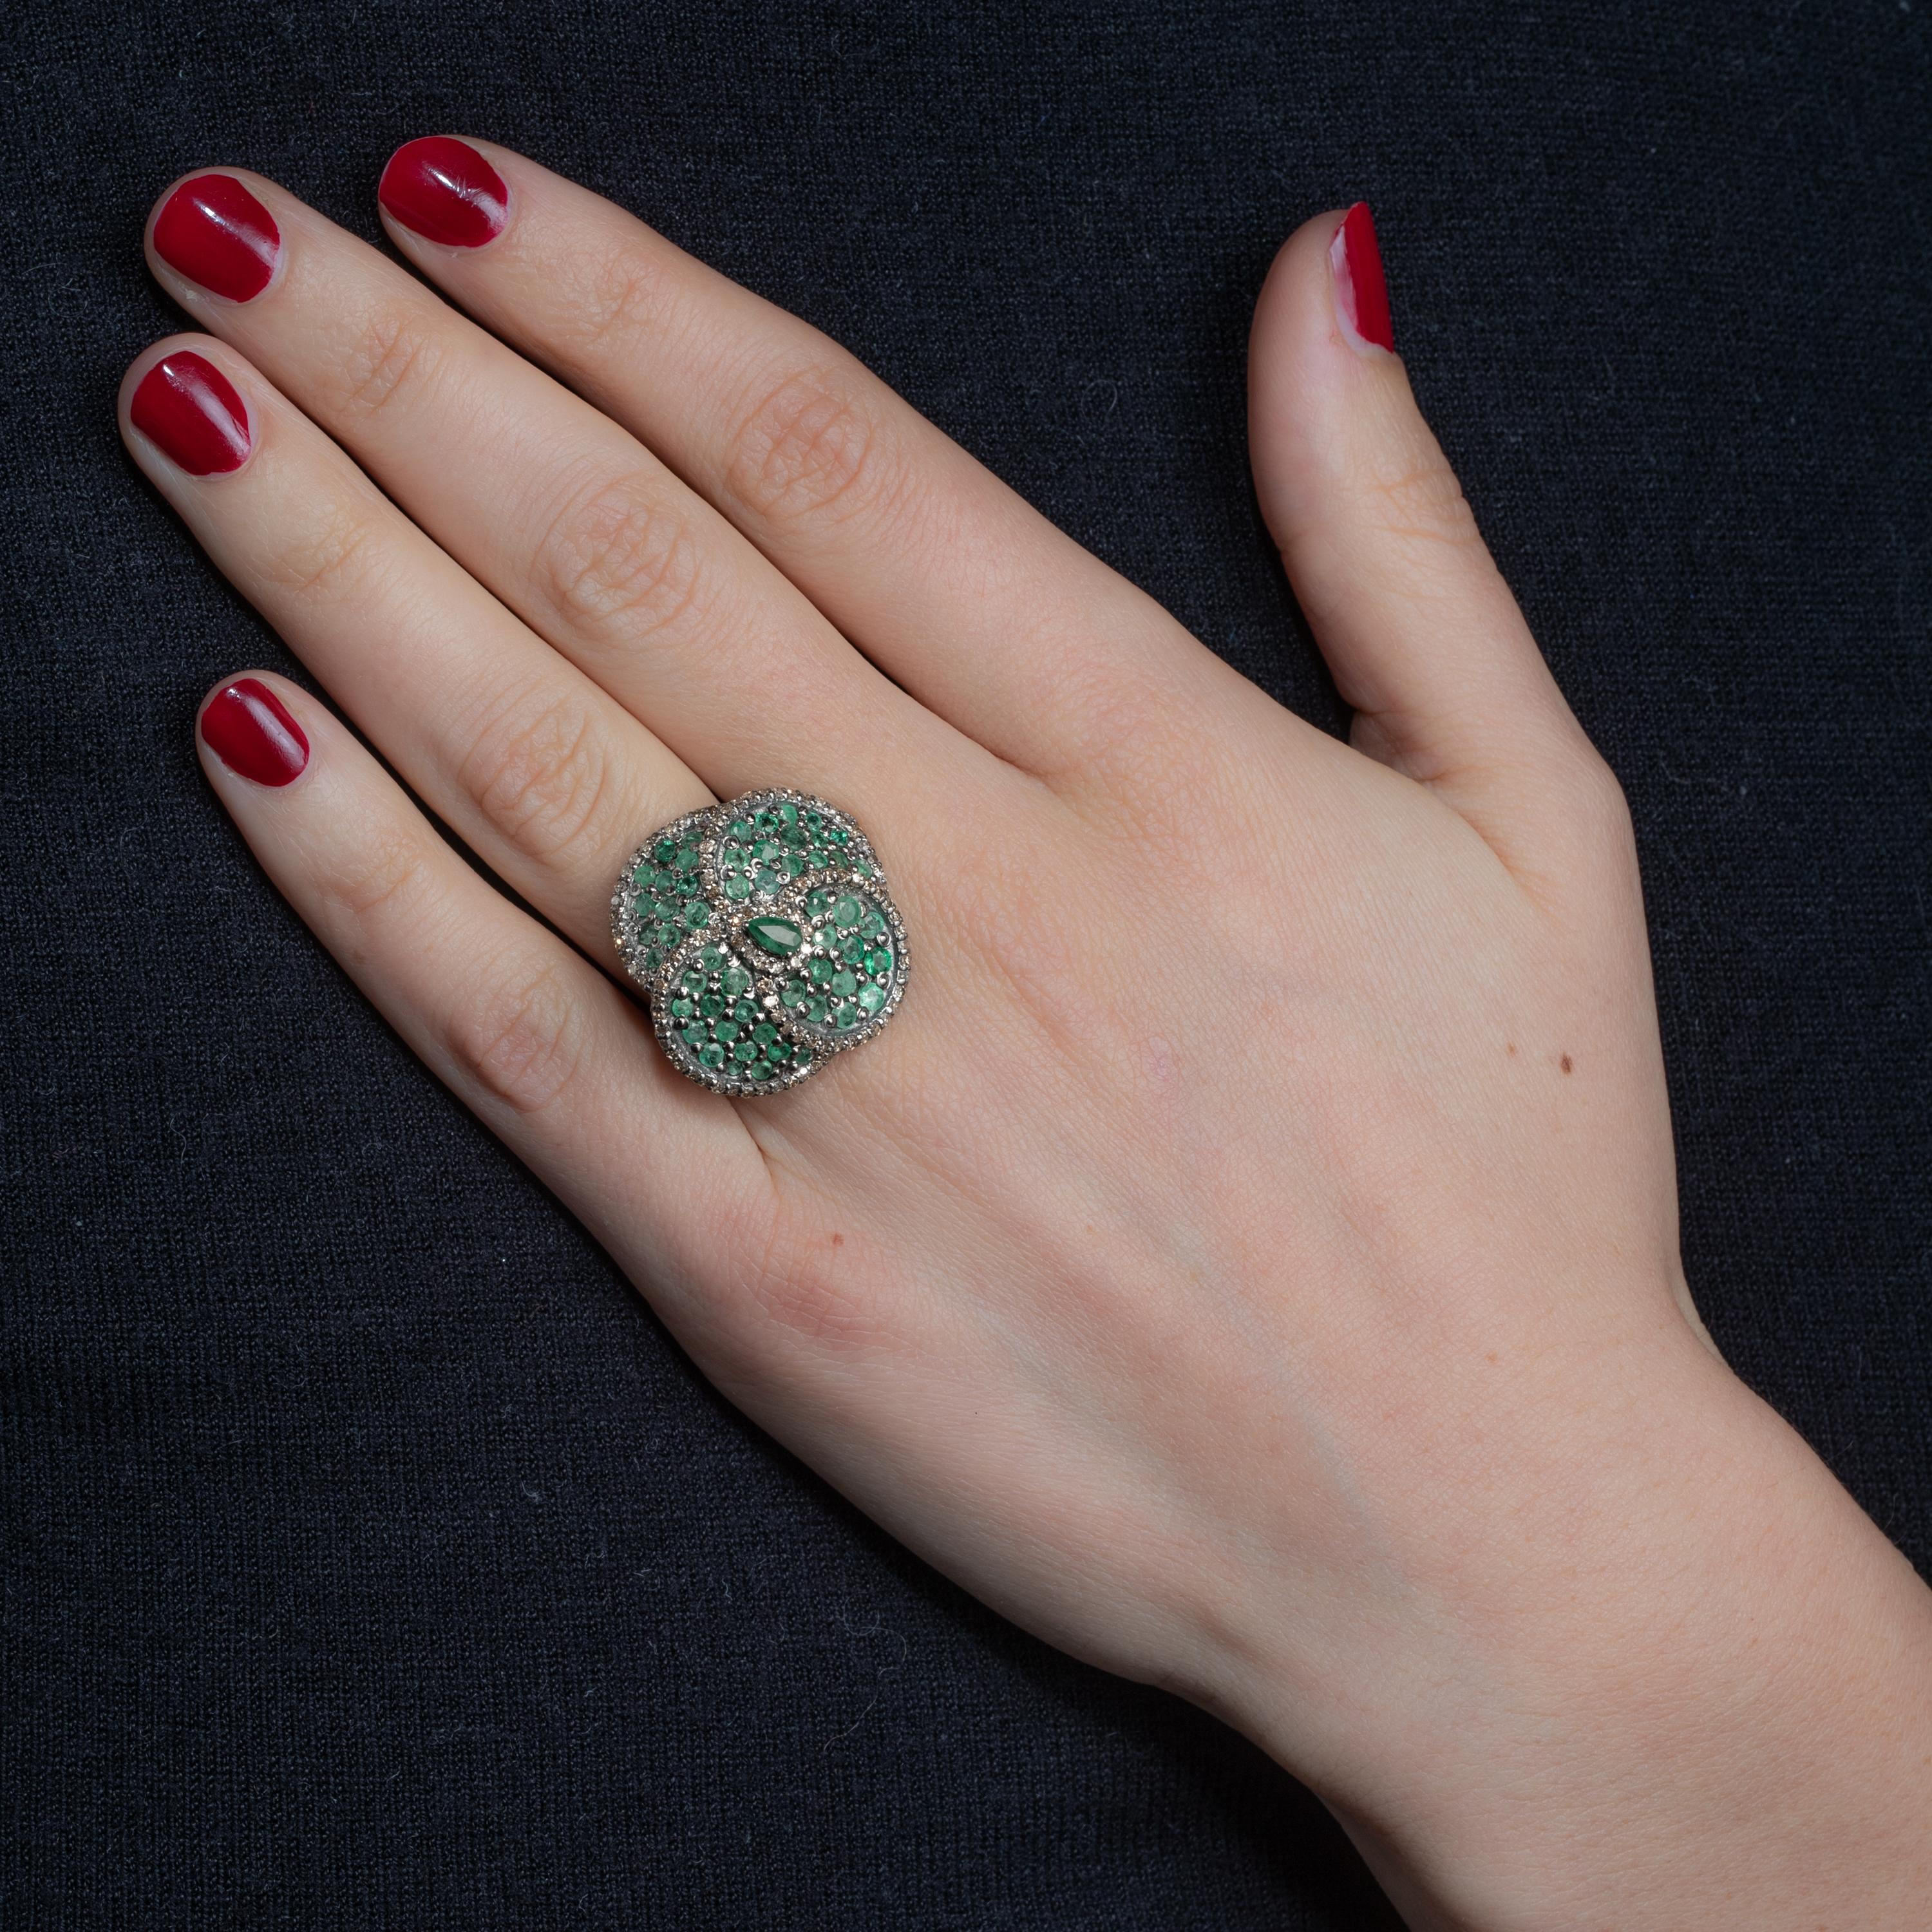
(1682, 1678)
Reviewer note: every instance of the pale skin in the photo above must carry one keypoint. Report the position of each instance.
(1343, 1378)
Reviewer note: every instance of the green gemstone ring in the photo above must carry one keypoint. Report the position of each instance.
(764, 937)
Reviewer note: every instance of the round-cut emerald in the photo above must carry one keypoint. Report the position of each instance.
(778, 1050)
(820, 970)
(697, 916)
(792, 993)
(745, 1050)
(711, 1006)
(778, 937)
(682, 1009)
(692, 1035)
(872, 998)
(736, 979)
(844, 984)
(879, 960)
(764, 1033)
(737, 887)
(725, 1029)
(712, 1055)
(848, 912)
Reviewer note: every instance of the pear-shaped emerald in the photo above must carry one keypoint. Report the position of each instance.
(778, 937)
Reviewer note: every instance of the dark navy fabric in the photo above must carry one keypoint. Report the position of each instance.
(371, 1557)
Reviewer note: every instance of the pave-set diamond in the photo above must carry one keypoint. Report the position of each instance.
(764, 937)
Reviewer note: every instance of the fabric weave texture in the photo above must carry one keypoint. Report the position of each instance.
(371, 1558)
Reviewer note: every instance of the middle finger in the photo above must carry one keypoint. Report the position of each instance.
(566, 516)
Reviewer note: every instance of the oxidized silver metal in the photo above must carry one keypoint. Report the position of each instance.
(788, 864)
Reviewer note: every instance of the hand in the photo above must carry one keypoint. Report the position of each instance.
(1249, 1258)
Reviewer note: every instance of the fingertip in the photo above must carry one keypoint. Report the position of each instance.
(181, 400)
(247, 725)
(211, 232)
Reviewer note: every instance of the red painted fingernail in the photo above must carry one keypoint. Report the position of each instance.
(249, 729)
(1361, 292)
(212, 230)
(188, 406)
(444, 191)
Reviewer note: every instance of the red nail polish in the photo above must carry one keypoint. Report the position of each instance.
(190, 408)
(444, 191)
(249, 729)
(1361, 293)
(212, 230)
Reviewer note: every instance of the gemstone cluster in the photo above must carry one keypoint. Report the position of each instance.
(764, 937)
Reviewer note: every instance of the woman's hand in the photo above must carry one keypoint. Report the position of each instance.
(1248, 1259)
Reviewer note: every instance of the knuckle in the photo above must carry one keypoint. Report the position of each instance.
(387, 872)
(807, 447)
(330, 557)
(541, 776)
(1595, 803)
(398, 351)
(520, 1039)
(612, 298)
(622, 559)
(1422, 500)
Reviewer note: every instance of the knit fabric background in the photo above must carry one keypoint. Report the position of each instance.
(371, 1558)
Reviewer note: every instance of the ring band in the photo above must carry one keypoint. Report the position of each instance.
(764, 937)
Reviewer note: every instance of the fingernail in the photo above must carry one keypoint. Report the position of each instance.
(249, 729)
(444, 191)
(1361, 293)
(185, 404)
(212, 230)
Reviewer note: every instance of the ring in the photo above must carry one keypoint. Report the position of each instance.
(765, 939)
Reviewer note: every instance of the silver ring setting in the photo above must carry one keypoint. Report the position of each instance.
(765, 938)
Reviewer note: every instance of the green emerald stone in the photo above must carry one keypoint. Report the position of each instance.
(793, 994)
(820, 970)
(872, 998)
(745, 1050)
(736, 979)
(778, 937)
(879, 960)
(692, 1035)
(844, 984)
(778, 1050)
(848, 912)
(712, 1055)
(737, 887)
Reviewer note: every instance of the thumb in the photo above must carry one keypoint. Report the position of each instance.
(1424, 639)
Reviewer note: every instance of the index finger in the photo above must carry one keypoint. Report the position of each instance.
(954, 587)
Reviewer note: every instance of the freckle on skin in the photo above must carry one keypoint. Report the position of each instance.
(1567, 1067)
(838, 1241)
(1512, 1049)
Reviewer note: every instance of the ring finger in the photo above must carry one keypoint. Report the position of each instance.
(566, 516)
(546, 777)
